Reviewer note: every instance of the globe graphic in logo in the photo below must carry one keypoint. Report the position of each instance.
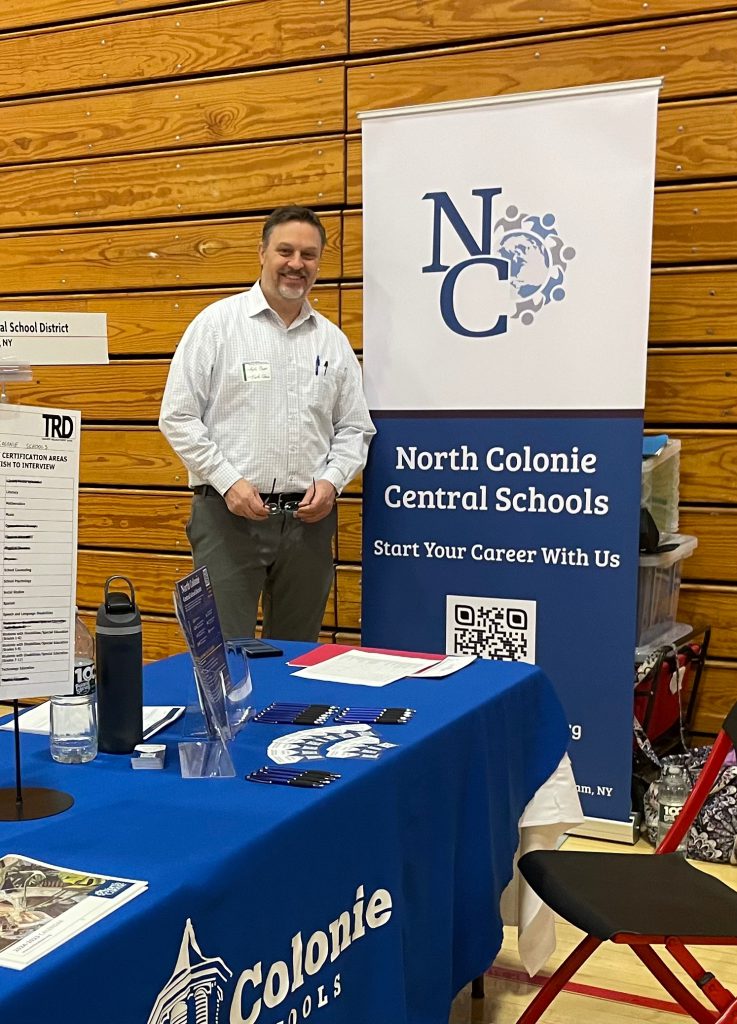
(528, 262)
(537, 258)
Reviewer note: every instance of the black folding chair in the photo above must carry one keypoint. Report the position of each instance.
(645, 901)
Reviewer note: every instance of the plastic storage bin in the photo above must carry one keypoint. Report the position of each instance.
(660, 479)
(659, 582)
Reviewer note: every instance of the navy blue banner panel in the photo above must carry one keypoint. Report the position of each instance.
(512, 538)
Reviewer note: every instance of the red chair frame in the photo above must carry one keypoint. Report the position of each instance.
(721, 998)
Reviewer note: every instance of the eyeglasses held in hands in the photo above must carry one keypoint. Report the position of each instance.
(276, 506)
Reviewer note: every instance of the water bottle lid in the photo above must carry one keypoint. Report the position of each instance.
(118, 602)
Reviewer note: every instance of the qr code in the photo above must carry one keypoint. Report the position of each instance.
(491, 627)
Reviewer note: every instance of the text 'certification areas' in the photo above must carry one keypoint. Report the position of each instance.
(39, 478)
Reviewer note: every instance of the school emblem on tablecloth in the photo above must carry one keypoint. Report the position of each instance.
(197, 982)
(332, 741)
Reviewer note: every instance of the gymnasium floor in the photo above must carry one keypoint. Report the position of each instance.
(612, 988)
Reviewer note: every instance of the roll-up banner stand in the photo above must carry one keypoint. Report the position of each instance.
(507, 252)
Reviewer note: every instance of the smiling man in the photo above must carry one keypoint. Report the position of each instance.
(264, 405)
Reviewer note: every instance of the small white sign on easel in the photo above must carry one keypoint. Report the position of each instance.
(53, 339)
(39, 483)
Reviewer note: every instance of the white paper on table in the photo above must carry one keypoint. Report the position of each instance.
(446, 667)
(37, 720)
(364, 668)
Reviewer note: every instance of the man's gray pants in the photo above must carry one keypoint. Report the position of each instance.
(286, 562)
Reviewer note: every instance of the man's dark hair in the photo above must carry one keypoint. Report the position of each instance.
(283, 214)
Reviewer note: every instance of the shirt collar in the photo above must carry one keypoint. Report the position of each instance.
(256, 303)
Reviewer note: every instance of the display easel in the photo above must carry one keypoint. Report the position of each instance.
(19, 804)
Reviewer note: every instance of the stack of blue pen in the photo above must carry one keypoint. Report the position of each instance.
(281, 713)
(302, 778)
(375, 716)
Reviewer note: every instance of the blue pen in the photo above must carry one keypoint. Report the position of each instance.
(317, 365)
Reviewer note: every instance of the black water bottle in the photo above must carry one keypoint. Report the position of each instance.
(119, 646)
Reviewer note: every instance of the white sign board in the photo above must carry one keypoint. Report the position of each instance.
(39, 480)
(53, 339)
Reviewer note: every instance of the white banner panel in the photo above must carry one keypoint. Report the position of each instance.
(524, 216)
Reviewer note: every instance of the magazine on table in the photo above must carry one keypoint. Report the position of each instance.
(42, 906)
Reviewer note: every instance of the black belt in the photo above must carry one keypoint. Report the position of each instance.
(276, 499)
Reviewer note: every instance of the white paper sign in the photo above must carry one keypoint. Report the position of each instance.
(39, 479)
(53, 339)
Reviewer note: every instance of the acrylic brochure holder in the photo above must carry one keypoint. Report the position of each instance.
(222, 679)
(206, 755)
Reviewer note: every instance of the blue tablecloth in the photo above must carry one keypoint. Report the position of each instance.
(374, 899)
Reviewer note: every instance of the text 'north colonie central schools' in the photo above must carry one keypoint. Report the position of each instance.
(506, 499)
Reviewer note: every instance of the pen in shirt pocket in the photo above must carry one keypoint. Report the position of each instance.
(317, 365)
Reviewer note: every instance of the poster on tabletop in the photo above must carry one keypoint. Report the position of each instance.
(506, 290)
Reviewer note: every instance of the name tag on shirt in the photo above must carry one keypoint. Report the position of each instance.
(256, 371)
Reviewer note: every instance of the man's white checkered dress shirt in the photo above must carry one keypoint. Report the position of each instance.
(250, 398)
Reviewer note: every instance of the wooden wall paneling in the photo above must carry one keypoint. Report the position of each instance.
(354, 486)
(194, 39)
(186, 183)
(328, 619)
(150, 323)
(691, 225)
(153, 576)
(133, 519)
(128, 457)
(254, 106)
(715, 559)
(121, 391)
(384, 24)
(351, 315)
(160, 256)
(693, 305)
(18, 14)
(348, 587)
(353, 170)
(350, 524)
(700, 604)
(161, 637)
(696, 140)
(696, 57)
(716, 696)
(352, 244)
(695, 224)
(349, 639)
(692, 387)
(708, 466)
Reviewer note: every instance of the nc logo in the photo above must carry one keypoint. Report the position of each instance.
(529, 254)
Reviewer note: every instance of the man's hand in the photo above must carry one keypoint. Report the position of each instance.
(317, 502)
(244, 500)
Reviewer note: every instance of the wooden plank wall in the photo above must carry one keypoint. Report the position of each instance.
(143, 141)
